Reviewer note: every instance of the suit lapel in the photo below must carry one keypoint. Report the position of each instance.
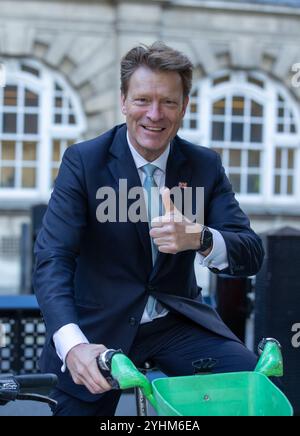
(178, 169)
(122, 166)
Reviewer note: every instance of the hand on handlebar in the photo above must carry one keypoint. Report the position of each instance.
(82, 364)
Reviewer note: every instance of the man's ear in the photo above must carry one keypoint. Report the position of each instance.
(123, 105)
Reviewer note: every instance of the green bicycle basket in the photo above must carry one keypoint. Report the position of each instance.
(231, 394)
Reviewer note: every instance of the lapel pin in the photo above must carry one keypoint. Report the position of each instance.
(182, 185)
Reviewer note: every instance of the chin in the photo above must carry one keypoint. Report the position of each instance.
(153, 144)
(154, 148)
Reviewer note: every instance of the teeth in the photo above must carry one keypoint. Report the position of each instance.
(155, 129)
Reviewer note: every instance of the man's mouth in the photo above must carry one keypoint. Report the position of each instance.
(154, 129)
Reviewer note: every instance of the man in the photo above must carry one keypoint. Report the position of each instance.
(131, 285)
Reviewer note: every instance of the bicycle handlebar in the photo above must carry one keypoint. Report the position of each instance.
(26, 387)
(33, 381)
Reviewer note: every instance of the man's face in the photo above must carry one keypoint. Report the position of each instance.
(154, 107)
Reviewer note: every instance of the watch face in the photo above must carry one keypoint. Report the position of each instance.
(206, 239)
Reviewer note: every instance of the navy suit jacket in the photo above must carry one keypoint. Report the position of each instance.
(99, 275)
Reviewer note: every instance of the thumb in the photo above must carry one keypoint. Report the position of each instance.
(167, 202)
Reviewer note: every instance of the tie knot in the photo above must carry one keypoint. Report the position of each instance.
(149, 169)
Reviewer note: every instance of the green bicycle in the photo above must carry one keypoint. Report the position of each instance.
(230, 394)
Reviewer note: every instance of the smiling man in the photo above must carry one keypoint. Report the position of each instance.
(131, 285)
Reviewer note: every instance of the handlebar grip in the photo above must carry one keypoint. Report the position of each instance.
(21, 386)
(39, 381)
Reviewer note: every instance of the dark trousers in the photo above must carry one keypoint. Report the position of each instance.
(173, 343)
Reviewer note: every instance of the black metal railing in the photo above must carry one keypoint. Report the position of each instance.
(22, 334)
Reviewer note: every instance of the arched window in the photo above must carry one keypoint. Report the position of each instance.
(237, 134)
(286, 148)
(19, 126)
(252, 122)
(40, 115)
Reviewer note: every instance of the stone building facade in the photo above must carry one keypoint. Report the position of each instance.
(61, 65)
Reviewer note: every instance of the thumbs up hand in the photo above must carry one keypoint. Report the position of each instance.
(173, 232)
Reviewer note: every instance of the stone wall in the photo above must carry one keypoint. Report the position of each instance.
(85, 41)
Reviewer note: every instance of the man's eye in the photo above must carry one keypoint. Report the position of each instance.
(141, 100)
(171, 103)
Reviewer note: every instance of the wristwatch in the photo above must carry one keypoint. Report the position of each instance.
(104, 359)
(206, 239)
(104, 365)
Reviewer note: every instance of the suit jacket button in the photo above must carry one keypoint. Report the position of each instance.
(132, 321)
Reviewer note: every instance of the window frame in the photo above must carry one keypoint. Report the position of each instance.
(238, 85)
(44, 86)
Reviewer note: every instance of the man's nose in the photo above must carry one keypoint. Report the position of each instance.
(154, 112)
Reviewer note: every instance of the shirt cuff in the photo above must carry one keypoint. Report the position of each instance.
(217, 258)
(65, 338)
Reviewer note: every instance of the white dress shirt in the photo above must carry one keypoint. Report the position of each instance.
(71, 335)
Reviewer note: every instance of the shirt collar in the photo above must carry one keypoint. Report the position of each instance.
(160, 162)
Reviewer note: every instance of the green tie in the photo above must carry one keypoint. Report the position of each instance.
(153, 203)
